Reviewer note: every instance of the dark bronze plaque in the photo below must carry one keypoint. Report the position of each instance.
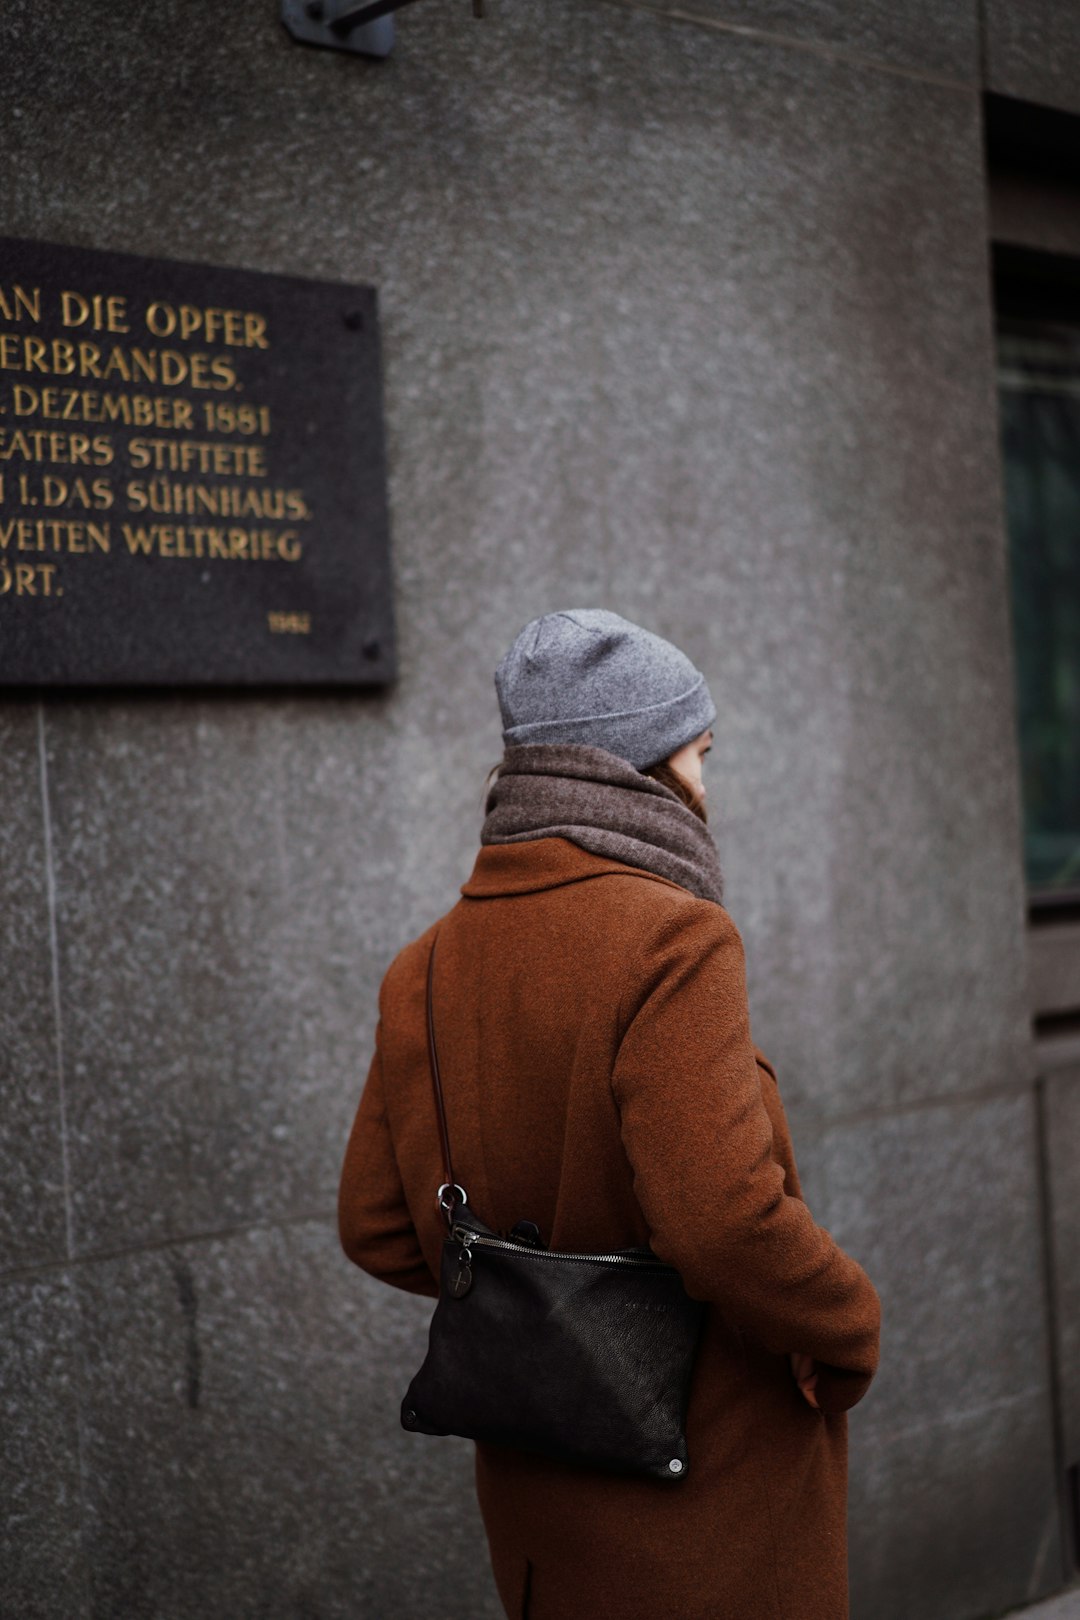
(192, 475)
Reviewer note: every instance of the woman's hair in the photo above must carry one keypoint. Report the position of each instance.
(661, 772)
(665, 773)
(486, 789)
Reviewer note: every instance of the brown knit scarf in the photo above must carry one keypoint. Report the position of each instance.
(598, 800)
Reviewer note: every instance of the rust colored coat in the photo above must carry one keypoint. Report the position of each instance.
(601, 1080)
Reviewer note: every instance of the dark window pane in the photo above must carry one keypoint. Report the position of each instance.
(1039, 384)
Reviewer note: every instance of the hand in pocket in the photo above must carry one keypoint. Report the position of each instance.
(802, 1368)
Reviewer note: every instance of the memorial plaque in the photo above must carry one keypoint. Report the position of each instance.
(192, 475)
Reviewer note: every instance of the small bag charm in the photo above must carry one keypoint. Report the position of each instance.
(462, 1278)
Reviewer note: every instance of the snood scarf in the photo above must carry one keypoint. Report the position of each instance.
(600, 802)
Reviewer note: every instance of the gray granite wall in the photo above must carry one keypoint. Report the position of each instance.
(1033, 51)
(687, 314)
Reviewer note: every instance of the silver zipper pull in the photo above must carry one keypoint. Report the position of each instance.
(461, 1281)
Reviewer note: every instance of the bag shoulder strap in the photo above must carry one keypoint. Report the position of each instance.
(450, 1194)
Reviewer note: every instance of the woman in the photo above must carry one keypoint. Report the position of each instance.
(600, 1080)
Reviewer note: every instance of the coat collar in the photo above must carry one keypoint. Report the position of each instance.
(541, 863)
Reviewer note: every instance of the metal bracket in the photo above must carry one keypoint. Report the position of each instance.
(342, 25)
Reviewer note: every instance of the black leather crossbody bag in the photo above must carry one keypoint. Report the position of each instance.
(582, 1357)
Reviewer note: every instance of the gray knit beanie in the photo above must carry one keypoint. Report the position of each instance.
(589, 676)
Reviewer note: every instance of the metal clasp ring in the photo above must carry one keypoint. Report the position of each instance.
(447, 1205)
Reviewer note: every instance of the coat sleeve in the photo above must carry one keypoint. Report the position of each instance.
(700, 1145)
(374, 1222)
(782, 1149)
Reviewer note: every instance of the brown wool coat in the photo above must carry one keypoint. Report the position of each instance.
(601, 1080)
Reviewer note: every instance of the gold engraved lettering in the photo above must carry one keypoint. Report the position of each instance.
(255, 332)
(63, 357)
(197, 490)
(198, 455)
(34, 350)
(96, 496)
(100, 312)
(90, 362)
(191, 320)
(35, 444)
(161, 319)
(55, 534)
(215, 500)
(19, 303)
(25, 579)
(198, 540)
(138, 539)
(117, 364)
(236, 328)
(165, 367)
(171, 369)
(88, 405)
(117, 313)
(15, 531)
(225, 418)
(223, 371)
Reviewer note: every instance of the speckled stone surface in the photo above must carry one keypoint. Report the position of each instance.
(244, 1448)
(43, 1574)
(941, 1207)
(1066, 1606)
(688, 323)
(32, 1221)
(918, 36)
(928, 1533)
(214, 958)
(713, 411)
(1033, 51)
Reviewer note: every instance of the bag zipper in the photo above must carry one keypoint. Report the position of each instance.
(470, 1239)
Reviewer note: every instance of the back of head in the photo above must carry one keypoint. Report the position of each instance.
(586, 675)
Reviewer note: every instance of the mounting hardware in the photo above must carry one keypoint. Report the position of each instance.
(342, 25)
